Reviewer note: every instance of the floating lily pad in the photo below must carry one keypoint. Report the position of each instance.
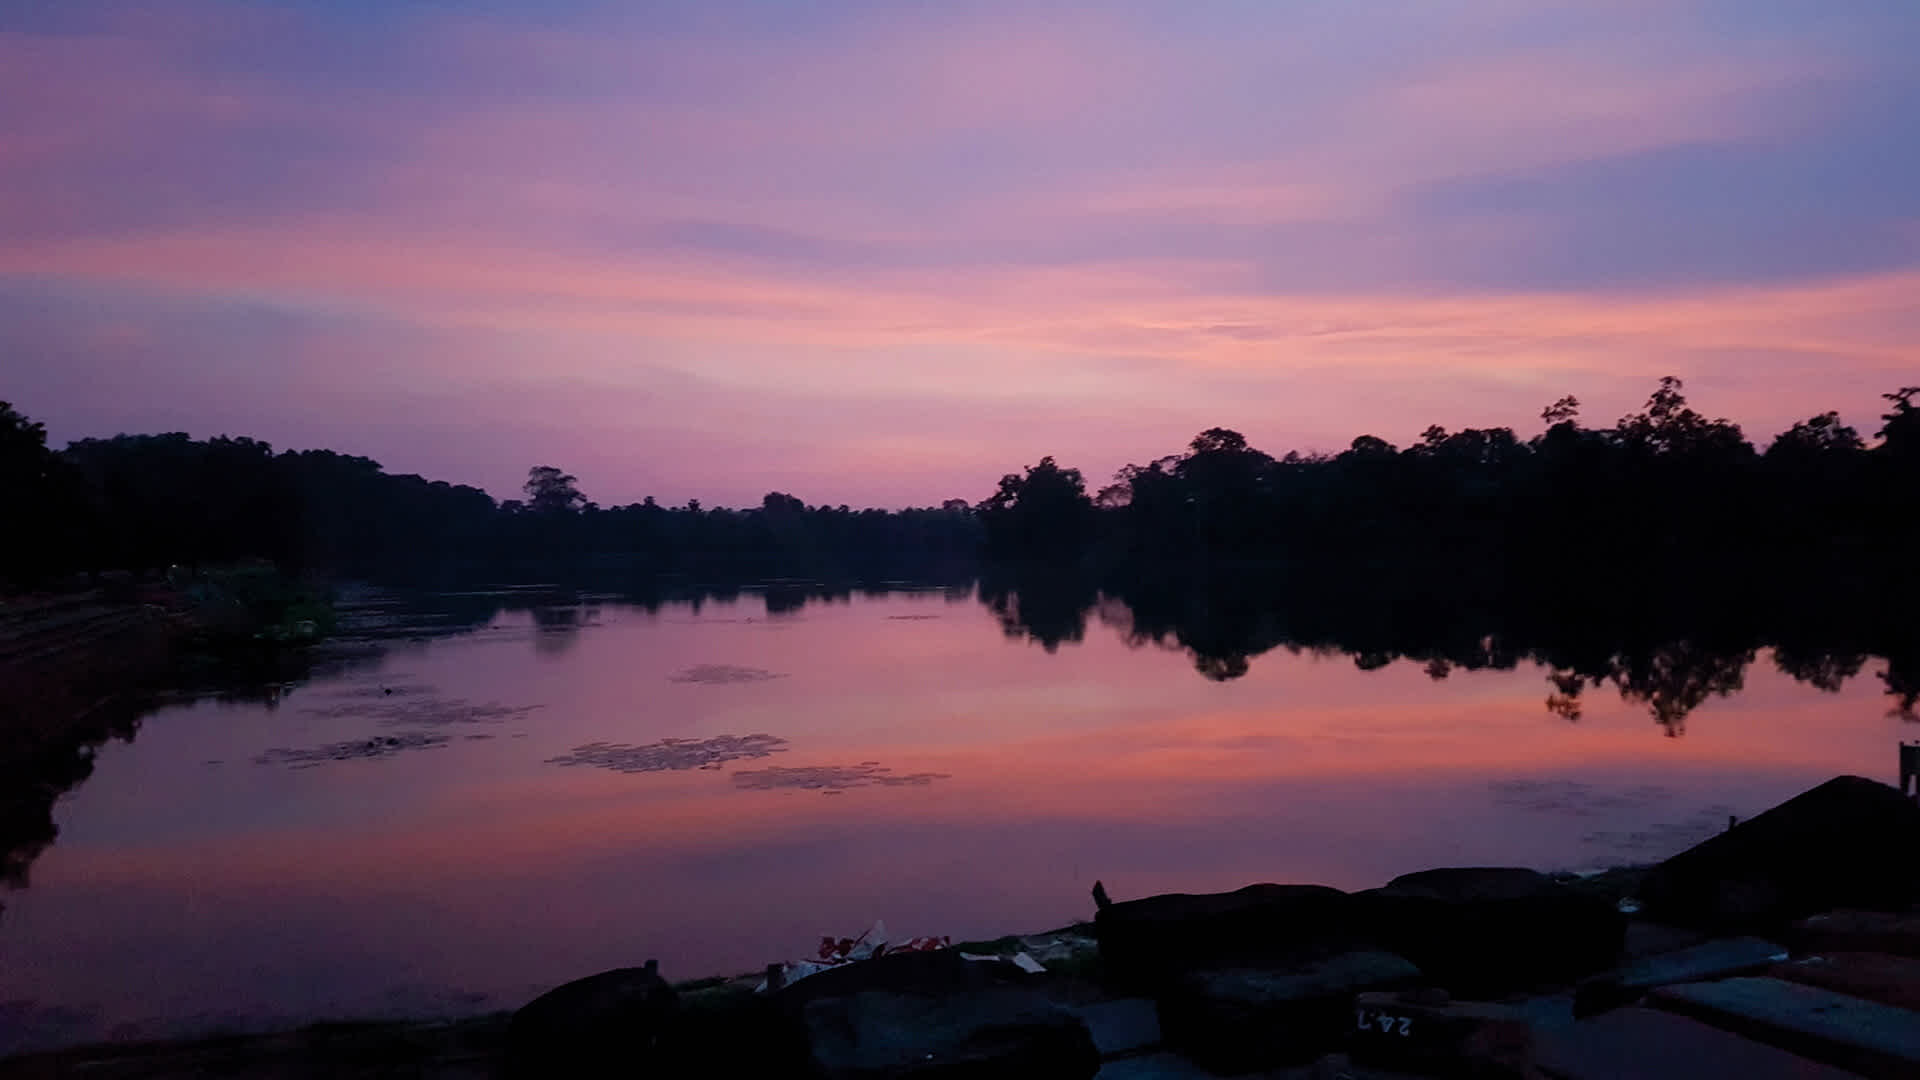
(723, 674)
(427, 712)
(379, 746)
(831, 778)
(670, 755)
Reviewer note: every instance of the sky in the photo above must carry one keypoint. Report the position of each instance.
(881, 253)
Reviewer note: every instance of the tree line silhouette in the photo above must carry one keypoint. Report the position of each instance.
(1664, 489)
(144, 503)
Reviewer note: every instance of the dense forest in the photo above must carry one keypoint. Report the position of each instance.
(144, 503)
(1661, 486)
(1663, 490)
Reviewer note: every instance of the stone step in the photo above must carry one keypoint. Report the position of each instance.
(1889, 980)
(1867, 1037)
(1697, 963)
(1646, 1044)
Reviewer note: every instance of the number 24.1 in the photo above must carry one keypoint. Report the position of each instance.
(1388, 1025)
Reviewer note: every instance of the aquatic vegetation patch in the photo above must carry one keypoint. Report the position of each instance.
(379, 691)
(672, 755)
(428, 712)
(379, 746)
(723, 674)
(1662, 839)
(831, 778)
(1574, 798)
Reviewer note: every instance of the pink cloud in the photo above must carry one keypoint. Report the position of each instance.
(1069, 213)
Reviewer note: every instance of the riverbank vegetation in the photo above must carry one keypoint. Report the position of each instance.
(1663, 488)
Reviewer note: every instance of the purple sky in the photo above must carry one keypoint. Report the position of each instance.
(881, 253)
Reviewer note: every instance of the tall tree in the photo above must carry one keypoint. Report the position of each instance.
(552, 491)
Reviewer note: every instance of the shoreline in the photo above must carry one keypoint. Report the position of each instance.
(474, 1045)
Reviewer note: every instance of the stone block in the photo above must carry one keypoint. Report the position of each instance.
(1708, 960)
(1858, 931)
(1647, 1044)
(1433, 1036)
(1240, 1019)
(1851, 1033)
(1889, 980)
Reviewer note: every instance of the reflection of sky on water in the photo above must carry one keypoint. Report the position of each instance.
(984, 785)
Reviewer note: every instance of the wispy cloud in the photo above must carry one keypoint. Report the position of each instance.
(1076, 213)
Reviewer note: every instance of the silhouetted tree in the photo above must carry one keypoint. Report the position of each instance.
(1900, 430)
(44, 502)
(1044, 514)
(552, 491)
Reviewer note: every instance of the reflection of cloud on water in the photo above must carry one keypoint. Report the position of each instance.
(723, 674)
(1662, 839)
(379, 746)
(830, 778)
(912, 618)
(1615, 847)
(672, 754)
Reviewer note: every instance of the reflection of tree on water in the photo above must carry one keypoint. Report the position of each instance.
(1902, 679)
(1043, 604)
(1676, 679)
(1826, 669)
(557, 628)
(33, 776)
(39, 765)
(1662, 644)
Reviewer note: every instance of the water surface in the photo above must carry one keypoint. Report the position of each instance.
(449, 819)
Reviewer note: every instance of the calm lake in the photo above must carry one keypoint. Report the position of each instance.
(474, 798)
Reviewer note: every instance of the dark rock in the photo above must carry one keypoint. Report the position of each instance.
(1473, 883)
(1850, 842)
(1485, 931)
(1441, 1038)
(605, 1024)
(1145, 942)
(1708, 960)
(1858, 931)
(1240, 1019)
(993, 1033)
